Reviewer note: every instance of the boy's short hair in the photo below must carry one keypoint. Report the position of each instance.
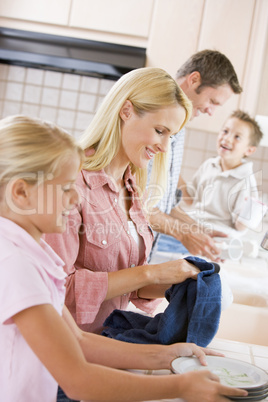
(255, 131)
(214, 68)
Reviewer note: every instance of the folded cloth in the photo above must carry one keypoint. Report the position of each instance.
(193, 313)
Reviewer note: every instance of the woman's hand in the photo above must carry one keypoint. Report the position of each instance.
(162, 276)
(172, 272)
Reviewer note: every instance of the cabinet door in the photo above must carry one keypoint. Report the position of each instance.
(128, 17)
(255, 83)
(226, 26)
(174, 33)
(49, 11)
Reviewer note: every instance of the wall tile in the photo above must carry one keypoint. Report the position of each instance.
(53, 79)
(105, 86)
(50, 96)
(16, 73)
(71, 81)
(14, 91)
(11, 108)
(87, 102)
(30, 109)
(258, 154)
(209, 154)
(193, 158)
(68, 99)
(34, 76)
(197, 139)
(32, 94)
(3, 85)
(66, 119)
(90, 85)
(48, 113)
(265, 153)
(82, 121)
(212, 142)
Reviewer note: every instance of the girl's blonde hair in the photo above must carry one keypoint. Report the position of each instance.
(30, 146)
(149, 89)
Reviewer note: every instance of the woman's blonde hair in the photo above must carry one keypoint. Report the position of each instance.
(149, 89)
(31, 148)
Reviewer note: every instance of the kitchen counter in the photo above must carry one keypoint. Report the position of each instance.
(250, 353)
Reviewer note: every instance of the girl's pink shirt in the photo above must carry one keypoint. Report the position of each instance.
(98, 241)
(31, 274)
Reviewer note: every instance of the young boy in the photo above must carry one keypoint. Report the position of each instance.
(217, 193)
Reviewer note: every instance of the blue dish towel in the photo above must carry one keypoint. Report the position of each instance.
(193, 313)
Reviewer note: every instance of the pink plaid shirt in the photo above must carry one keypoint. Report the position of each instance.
(98, 241)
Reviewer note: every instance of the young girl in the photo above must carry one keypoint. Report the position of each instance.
(40, 345)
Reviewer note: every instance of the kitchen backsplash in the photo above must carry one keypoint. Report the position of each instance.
(71, 100)
(68, 100)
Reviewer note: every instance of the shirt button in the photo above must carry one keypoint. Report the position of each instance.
(132, 265)
(115, 200)
(104, 242)
(128, 232)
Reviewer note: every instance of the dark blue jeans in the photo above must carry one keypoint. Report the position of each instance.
(61, 397)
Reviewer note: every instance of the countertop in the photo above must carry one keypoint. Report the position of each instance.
(250, 353)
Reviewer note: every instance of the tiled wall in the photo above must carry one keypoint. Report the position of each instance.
(71, 101)
(66, 99)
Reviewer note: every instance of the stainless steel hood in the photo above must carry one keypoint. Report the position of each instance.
(65, 54)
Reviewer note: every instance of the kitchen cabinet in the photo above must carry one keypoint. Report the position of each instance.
(262, 106)
(45, 12)
(116, 16)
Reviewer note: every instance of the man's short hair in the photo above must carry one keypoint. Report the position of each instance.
(214, 68)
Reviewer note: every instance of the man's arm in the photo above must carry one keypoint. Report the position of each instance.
(197, 239)
(182, 186)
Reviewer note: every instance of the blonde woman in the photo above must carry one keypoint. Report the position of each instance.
(108, 239)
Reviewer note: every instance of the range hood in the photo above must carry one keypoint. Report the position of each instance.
(65, 54)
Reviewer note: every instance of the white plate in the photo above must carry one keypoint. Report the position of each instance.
(232, 372)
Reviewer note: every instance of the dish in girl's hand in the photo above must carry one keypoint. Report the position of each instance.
(232, 372)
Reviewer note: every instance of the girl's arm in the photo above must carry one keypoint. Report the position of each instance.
(61, 351)
(123, 355)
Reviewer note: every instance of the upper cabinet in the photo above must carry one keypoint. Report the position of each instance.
(170, 30)
(125, 17)
(46, 12)
(125, 22)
